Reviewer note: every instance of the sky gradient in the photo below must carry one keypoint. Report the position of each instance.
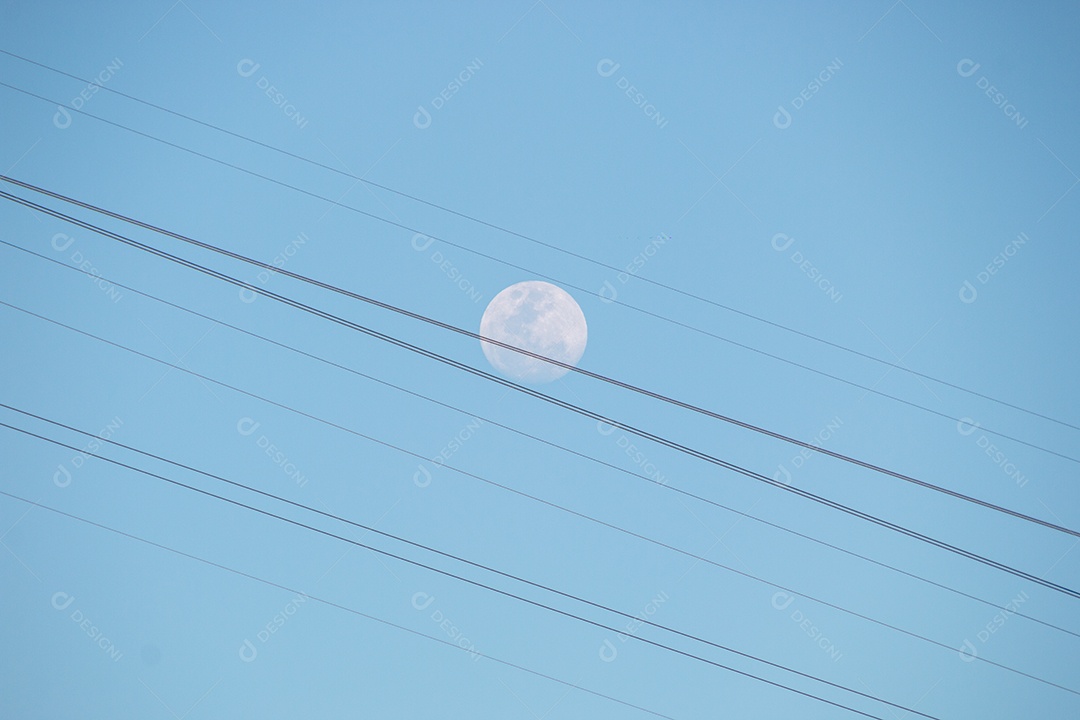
(896, 179)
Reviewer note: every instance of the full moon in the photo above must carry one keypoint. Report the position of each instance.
(538, 317)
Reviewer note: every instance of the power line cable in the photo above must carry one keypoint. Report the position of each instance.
(505, 574)
(451, 556)
(484, 586)
(585, 457)
(468, 333)
(529, 391)
(329, 603)
(643, 311)
(371, 183)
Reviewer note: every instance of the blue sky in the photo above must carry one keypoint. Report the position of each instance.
(895, 178)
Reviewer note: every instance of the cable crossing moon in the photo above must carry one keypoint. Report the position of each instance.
(541, 318)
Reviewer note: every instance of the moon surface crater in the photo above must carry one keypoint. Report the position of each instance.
(538, 317)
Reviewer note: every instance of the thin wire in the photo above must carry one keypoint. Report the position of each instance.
(476, 583)
(583, 456)
(562, 282)
(464, 560)
(493, 226)
(505, 574)
(468, 333)
(329, 603)
(523, 389)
